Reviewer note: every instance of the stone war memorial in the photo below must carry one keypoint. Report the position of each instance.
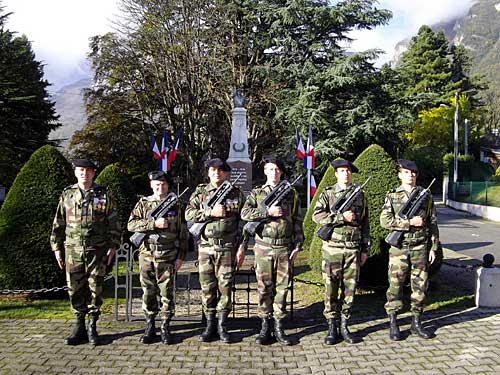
(239, 159)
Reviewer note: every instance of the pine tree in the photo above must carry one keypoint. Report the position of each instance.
(26, 113)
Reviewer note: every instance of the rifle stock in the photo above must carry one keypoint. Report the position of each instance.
(196, 229)
(158, 212)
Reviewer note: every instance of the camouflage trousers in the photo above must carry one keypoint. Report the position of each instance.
(216, 269)
(272, 270)
(412, 260)
(85, 271)
(340, 269)
(157, 278)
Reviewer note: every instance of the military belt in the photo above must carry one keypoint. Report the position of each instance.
(273, 241)
(216, 242)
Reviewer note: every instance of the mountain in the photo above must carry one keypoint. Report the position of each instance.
(70, 106)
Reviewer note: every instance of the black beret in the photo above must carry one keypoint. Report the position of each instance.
(344, 163)
(83, 163)
(160, 176)
(218, 163)
(408, 164)
(273, 159)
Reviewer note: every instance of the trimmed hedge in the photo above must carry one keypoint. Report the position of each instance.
(26, 260)
(121, 188)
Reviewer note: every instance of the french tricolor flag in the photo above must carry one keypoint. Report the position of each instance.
(173, 153)
(164, 165)
(309, 153)
(154, 147)
(300, 152)
(313, 187)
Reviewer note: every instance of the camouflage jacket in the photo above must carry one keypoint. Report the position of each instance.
(284, 230)
(357, 231)
(85, 219)
(173, 238)
(224, 228)
(389, 219)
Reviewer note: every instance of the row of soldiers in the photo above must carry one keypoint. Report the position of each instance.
(86, 234)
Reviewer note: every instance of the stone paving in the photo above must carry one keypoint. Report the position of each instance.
(466, 342)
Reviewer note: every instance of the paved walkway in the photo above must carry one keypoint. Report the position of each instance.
(466, 343)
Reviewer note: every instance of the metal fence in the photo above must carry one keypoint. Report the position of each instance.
(485, 193)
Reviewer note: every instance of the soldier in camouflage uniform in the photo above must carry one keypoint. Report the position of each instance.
(86, 232)
(277, 242)
(413, 257)
(217, 246)
(160, 255)
(344, 252)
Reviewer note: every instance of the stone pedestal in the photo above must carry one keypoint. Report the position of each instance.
(487, 287)
(238, 151)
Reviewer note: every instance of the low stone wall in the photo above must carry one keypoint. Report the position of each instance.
(487, 212)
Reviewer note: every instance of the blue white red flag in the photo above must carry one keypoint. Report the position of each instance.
(164, 166)
(309, 153)
(173, 153)
(300, 152)
(313, 187)
(154, 147)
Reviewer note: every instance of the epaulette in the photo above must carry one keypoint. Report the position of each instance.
(70, 187)
(329, 187)
(100, 189)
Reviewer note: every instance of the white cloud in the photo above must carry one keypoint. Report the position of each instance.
(408, 16)
(60, 29)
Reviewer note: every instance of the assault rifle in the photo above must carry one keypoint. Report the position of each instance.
(273, 198)
(409, 210)
(196, 229)
(343, 204)
(156, 213)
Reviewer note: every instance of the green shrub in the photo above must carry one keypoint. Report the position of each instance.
(468, 168)
(26, 260)
(121, 188)
(496, 176)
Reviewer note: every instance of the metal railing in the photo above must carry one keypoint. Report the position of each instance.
(485, 193)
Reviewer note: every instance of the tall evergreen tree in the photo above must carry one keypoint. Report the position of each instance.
(26, 113)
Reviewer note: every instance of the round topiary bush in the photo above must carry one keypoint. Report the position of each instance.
(26, 259)
(121, 188)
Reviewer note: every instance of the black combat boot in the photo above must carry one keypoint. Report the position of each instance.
(394, 333)
(79, 334)
(166, 335)
(210, 330)
(150, 331)
(332, 335)
(221, 328)
(416, 327)
(92, 330)
(265, 335)
(344, 331)
(279, 334)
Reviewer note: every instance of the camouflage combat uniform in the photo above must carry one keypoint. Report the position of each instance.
(217, 246)
(85, 227)
(157, 255)
(413, 255)
(274, 239)
(341, 254)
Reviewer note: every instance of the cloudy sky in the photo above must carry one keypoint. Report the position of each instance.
(60, 29)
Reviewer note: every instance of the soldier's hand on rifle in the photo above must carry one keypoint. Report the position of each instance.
(60, 261)
(349, 216)
(218, 211)
(275, 211)
(416, 221)
(161, 223)
(110, 254)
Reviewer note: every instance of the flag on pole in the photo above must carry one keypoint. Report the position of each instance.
(164, 150)
(313, 186)
(173, 153)
(309, 154)
(300, 152)
(154, 147)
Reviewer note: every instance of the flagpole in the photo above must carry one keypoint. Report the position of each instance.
(308, 187)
